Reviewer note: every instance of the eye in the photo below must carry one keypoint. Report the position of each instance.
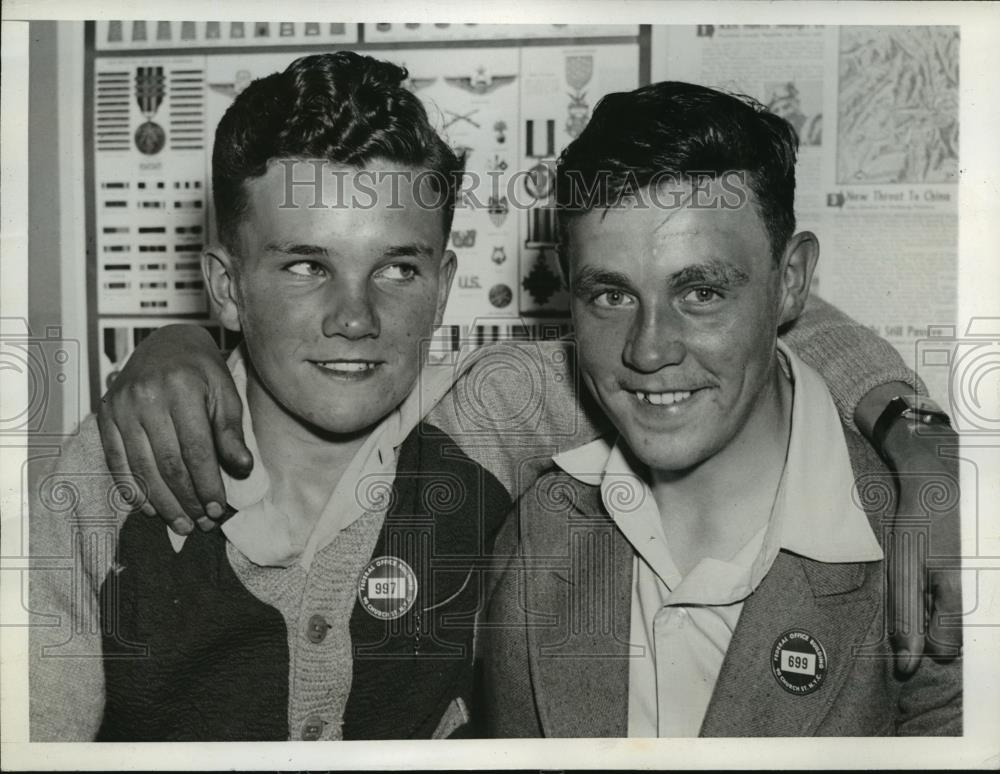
(702, 295)
(306, 269)
(399, 272)
(610, 299)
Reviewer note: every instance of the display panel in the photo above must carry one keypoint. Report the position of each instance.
(509, 107)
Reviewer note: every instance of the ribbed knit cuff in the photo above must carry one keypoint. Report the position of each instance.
(852, 360)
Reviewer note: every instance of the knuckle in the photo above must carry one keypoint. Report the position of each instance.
(141, 391)
(143, 473)
(177, 382)
(172, 466)
(196, 454)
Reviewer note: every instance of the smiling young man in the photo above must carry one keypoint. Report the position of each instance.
(340, 601)
(708, 566)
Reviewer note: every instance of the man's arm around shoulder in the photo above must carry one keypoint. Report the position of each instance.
(75, 509)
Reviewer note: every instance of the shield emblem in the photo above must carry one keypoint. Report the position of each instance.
(579, 70)
(497, 210)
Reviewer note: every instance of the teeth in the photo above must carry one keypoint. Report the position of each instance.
(348, 367)
(663, 398)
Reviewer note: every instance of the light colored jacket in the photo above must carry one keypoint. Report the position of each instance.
(556, 648)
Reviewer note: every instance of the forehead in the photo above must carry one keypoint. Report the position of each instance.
(674, 224)
(321, 202)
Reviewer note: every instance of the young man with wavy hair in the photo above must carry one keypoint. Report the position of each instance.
(340, 601)
(712, 565)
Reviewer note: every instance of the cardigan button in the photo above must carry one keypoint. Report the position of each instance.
(316, 629)
(312, 729)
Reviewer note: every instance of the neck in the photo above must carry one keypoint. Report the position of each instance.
(713, 509)
(304, 463)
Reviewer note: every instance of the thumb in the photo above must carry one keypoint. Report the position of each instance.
(226, 410)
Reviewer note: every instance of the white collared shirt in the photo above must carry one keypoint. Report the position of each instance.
(263, 532)
(684, 624)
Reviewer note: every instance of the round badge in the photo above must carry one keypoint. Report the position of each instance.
(387, 587)
(798, 662)
(500, 295)
(150, 138)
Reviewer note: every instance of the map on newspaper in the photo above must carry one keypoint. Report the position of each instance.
(898, 105)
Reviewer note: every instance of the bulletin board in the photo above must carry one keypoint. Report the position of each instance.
(510, 97)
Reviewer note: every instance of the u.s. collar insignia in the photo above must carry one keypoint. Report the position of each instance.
(798, 662)
(387, 588)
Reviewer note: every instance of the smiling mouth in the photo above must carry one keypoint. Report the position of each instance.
(350, 369)
(663, 398)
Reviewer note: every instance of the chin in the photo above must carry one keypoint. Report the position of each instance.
(667, 461)
(350, 425)
(670, 454)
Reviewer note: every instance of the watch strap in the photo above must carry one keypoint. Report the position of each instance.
(922, 409)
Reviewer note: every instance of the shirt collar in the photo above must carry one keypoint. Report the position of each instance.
(262, 531)
(589, 462)
(819, 480)
(816, 512)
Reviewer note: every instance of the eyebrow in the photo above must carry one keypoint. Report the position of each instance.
(718, 273)
(413, 250)
(590, 279)
(290, 248)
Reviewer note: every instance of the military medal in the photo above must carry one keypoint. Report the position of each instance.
(465, 238)
(541, 282)
(497, 164)
(538, 182)
(550, 139)
(500, 295)
(150, 89)
(480, 82)
(498, 209)
(579, 70)
(500, 132)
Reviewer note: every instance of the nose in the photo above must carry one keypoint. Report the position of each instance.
(351, 313)
(654, 341)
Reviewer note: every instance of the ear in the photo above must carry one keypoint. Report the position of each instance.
(445, 278)
(217, 265)
(797, 266)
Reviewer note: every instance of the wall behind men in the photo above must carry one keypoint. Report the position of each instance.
(55, 333)
(876, 109)
(877, 113)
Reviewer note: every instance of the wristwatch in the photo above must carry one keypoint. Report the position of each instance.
(913, 407)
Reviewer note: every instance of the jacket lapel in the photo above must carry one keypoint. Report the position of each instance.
(796, 596)
(580, 646)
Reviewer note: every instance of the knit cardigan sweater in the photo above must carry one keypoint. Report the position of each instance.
(512, 407)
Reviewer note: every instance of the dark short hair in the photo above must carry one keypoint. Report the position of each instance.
(679, 130)
(341, 107)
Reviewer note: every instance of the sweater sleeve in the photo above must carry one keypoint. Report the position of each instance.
(72, 540)
(514, 405)
(851, 358)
